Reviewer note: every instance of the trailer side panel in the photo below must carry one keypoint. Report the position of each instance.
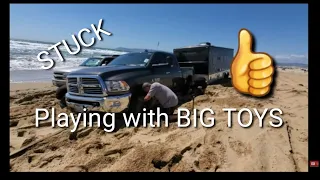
(220, 60)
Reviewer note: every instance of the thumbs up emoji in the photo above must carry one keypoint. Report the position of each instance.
(251, 73)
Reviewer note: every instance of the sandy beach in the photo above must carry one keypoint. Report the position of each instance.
(173, 149)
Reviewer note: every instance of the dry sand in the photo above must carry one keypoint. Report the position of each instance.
(172, 149)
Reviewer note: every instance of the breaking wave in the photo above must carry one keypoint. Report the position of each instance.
(23, 55)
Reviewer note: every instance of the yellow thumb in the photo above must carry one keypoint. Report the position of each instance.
(245, 41)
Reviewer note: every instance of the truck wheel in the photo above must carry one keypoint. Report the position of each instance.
(225, 75)
(136, 105)
(200, 81)
(61, 92)
(187, 85)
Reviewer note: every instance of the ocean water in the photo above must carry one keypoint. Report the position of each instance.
(25, 67)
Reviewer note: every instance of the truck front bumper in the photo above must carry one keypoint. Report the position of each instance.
(112, 104)
(58, 83)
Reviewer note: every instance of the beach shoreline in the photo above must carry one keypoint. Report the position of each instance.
(21, 86)
(30, 76)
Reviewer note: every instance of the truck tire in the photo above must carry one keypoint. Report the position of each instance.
(136, 105)
(200, 81)
(225, 75)
(187, 86)
(179, 85)
(61, 92)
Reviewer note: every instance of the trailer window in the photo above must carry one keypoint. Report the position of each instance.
(198, 58)
(192, 55)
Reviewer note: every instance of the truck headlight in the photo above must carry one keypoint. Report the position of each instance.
(117, 86)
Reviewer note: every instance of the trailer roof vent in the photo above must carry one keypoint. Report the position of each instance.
(205, 44)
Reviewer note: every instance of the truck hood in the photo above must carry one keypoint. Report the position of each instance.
(107, 71)
(69, 69)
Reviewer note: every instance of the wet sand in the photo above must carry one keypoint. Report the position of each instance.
(30, 76)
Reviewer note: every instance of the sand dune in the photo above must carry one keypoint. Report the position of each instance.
(173, 149)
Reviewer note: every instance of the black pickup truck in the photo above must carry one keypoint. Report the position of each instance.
(117, 87)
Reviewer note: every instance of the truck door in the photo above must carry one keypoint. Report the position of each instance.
(175, 73)
(160, 69)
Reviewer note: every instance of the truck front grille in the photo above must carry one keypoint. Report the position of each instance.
(72, 80)
(84, 86)
(89, 81)
(73, 89)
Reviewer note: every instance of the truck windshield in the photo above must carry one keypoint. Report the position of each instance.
(139, 59)
(91, 62)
